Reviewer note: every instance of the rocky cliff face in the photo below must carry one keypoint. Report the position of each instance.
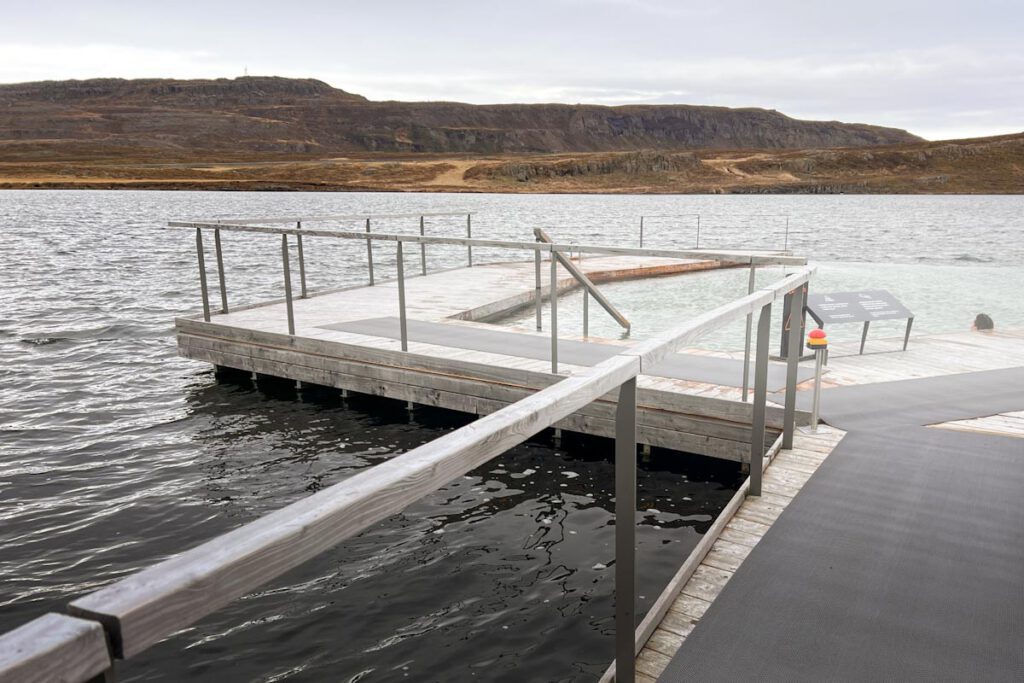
(252, 115)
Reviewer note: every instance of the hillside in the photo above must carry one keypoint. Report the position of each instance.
(289, 134)
(108, 118)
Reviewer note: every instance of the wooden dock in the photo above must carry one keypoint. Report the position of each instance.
(685, 415)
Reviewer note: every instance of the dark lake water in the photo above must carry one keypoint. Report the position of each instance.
(117, 453)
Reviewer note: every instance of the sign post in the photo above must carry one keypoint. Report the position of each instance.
(863, 307)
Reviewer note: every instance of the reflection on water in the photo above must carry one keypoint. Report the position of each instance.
(117, 453)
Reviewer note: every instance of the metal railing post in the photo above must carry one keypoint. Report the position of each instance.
(785, 244)
(625, 533)
(287, 283)
(401, 300)
(764, 325)
(220, 271)
(369, 251)
(469, 235)
(554, 313)
(202, 274)
(302, 263)
(746, 345)
(423, 250)
(796, 309)
(538, 303)
(698, 232)
(586, 312)
(641, 232)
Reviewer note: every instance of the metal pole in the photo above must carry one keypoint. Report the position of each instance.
(746, 344)
(625, 533)
(202, 274)
(864, 336)
(641, 232)
(423, 250)
(796, 309)
(764, 326)
(401, 299)
(469, 235)
(698, 232)
(302, 264)
(536, 290)
(785, 245)
(287, 284)
(554, 313)
(586, 313)
(906, 336)
(819, 355)
(220, 271)
(369, 251)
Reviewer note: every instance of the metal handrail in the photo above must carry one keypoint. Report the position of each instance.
(589, 288)
(556, 250)
(149, 605)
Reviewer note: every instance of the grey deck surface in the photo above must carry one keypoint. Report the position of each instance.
(695, 368)
(901, 559)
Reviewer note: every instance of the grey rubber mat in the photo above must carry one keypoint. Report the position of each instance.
(902, 558)
(722, 371)
(924, 401)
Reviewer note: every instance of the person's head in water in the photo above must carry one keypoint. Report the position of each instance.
(983, 322)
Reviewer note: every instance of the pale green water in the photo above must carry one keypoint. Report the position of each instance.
(944, 298)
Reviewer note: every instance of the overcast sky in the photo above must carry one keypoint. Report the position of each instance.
(941, 69)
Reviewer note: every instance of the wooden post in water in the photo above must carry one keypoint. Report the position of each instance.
(469, 235)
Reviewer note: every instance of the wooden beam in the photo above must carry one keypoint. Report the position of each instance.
(53, 647)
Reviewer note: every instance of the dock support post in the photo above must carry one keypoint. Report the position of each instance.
(369, 251)
(423, 250)
(796, 308)
(746, 345)
(302, 264)
(401, 299)
(554, 313)
(625, 533)
(469, 235)
(536, 290)
(202, 274)
(287, 284)
(586, 313)
(220, 271)
(764, 324)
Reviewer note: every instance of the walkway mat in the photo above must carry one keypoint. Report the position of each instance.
(930, 400)
(691, 367)
(902, 559)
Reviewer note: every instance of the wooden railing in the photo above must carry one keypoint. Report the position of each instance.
(130, 615)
